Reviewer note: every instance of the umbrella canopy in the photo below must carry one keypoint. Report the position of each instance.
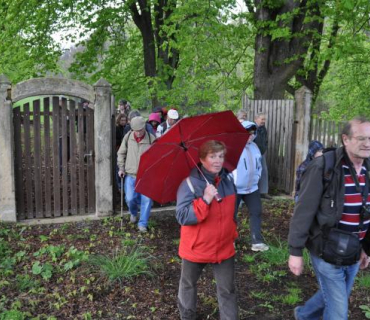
(171, 157)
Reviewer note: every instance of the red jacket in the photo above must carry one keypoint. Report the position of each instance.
(208, 232)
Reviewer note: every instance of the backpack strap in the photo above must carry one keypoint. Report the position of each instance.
(329, 162)
(128, 137)
(164, 126)
(190, 185)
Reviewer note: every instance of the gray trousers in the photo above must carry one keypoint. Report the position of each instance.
(226, 296)
(254, 205)
(263, 184)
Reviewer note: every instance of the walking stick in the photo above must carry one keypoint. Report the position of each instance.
(121, 202)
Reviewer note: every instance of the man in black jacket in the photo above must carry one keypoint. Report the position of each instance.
(261, 141)
(340, 204)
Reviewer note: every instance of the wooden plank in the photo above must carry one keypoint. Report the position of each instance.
(37, 159)
(283, 143)
(324, 132)
(289, 154)
(317, 129)
(19, 189)
(279, 143)
(81, 162)
(339, 136)
(275, 152)
(47, 158)
(90, 161)
(270, 118)
(64, 142)
(73, 161)
(28, 161)
(56, 160)
(328, 134)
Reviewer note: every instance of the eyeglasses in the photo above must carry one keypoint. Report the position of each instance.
(361, 139)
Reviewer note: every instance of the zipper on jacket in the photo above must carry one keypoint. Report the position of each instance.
(332, 204)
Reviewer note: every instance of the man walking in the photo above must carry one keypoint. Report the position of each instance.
(331, 219)
(261, 142)
(133, 145)
(172, 117)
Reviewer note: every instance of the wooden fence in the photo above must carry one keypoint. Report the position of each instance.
(290, 126)
(54, 169)
(280, 128)
(325, 131)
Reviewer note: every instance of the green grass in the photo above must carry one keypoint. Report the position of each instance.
(125, 264)
(363, 280)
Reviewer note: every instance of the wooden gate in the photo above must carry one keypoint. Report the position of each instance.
(54, 158)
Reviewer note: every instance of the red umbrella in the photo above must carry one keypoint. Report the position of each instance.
(171, 157)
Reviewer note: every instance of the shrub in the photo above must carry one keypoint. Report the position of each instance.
(125, 264)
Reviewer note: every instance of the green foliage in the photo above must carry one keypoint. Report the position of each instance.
(366, 311)
(277, 255)
(293, 297)
(363, 280)
(45, 270)
(12, 315)
(125, 264)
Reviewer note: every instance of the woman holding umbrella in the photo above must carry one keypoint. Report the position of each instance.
(206, 210)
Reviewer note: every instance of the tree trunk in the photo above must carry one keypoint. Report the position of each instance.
(143, 21)
(278, 59)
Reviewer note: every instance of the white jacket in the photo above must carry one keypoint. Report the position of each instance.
(248, 172)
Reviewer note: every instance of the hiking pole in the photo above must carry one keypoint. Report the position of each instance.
(121, 202)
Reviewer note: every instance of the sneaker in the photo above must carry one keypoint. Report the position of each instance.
(143, 229)
(260, 247)
(296, 313)
(132, 218)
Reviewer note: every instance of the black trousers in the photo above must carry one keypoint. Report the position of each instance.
(226, 295)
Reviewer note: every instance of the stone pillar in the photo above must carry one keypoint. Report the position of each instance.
(7, 183)
(302, 121)
(103, 149)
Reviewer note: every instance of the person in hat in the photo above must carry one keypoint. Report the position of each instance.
(246, 176)
(160, 114)
(154, 120)
(315, 149)
(133, 145)
(136, 113)
(172, 117)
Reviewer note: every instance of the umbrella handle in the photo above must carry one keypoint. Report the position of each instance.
(218, 197)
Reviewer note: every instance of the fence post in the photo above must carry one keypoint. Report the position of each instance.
(8, 211)
(103, 148)
(302, 118)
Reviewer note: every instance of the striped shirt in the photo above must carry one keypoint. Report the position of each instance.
(350, 219)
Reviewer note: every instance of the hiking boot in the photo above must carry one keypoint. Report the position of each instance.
(143, 229)
(133, 218)
(260, 247)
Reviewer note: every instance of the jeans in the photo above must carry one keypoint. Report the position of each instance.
(134, 200)
(331, 300)
(226, 296)
(254, 205)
